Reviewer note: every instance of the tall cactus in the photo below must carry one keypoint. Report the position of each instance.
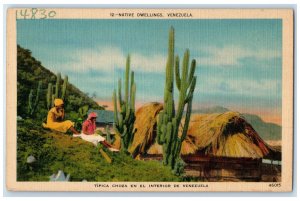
(124, 117)
(34, 101)
(169, 119)
(57, 91)
(108, 135)
(49, 96)
(57, 85)
(64, 88)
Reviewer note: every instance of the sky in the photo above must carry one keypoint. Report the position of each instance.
(239, 62)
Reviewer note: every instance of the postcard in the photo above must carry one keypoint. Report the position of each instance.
(149, 100)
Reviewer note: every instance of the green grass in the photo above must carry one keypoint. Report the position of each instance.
(56, 151)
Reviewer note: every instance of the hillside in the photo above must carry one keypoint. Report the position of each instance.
(267, 131)
(29, 72)
(55, 151)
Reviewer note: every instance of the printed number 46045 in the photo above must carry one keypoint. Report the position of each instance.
(35, 13)
(275, 185)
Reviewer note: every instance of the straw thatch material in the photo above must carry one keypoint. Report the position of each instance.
(145, 126)
(226, 135)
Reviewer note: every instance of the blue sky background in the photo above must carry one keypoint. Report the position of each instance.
(238, 61)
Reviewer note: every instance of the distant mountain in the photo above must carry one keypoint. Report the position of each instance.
(210, 110)
(267, 131)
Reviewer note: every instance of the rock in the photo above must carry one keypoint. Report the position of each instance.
(30, 159)
(19, 118)
(60, 176)
(84, 180)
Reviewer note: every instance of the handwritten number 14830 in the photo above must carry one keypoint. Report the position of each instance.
(35, 13)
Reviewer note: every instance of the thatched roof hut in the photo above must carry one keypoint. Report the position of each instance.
(226, 134)
(145, 126)
(221, 135)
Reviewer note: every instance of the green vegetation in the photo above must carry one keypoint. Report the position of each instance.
(30, 73)
(60, 91)
(56, 151)
(109, 138)
(169, 120)
(80, 116)
(33, 103)
(124, 119)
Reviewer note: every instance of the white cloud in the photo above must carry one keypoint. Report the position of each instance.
(106, 58)
(231, 55)
(110, 58)
(238, 86)
(148, 63)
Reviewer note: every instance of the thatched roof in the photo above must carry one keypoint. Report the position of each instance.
(145, 126)
(226, 135)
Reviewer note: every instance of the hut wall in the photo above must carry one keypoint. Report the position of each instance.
(219, 168)
(271, 172)
(223, 168)
(102, 127)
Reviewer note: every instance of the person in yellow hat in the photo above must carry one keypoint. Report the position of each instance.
(55, 119)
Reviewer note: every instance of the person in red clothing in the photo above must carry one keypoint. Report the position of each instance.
(89, 125)
(88, 132)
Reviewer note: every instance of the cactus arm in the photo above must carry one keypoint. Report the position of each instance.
(108, 134)
(115, 107)
(171, 48)
(37, 97)
(124, 132)
(127, 79)
(192, 71)
(187, 119)
(132, 98)
(57, 85)
(116, 130)
(132, 80)
(121, 121)
(30, 103)
(38, 92)
(64, 88)
(191, 90)
(127, 111)
(132, 92)
(120, 93)
(33, 103)
(169, 69)
(53, 97)
(131, 132)
(177, 72)
(159, 127)
(185, 65)
(49, 96)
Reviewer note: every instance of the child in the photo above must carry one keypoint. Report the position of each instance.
(88, 132)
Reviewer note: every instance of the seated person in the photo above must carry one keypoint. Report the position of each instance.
(88, 132)
(55, 119)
